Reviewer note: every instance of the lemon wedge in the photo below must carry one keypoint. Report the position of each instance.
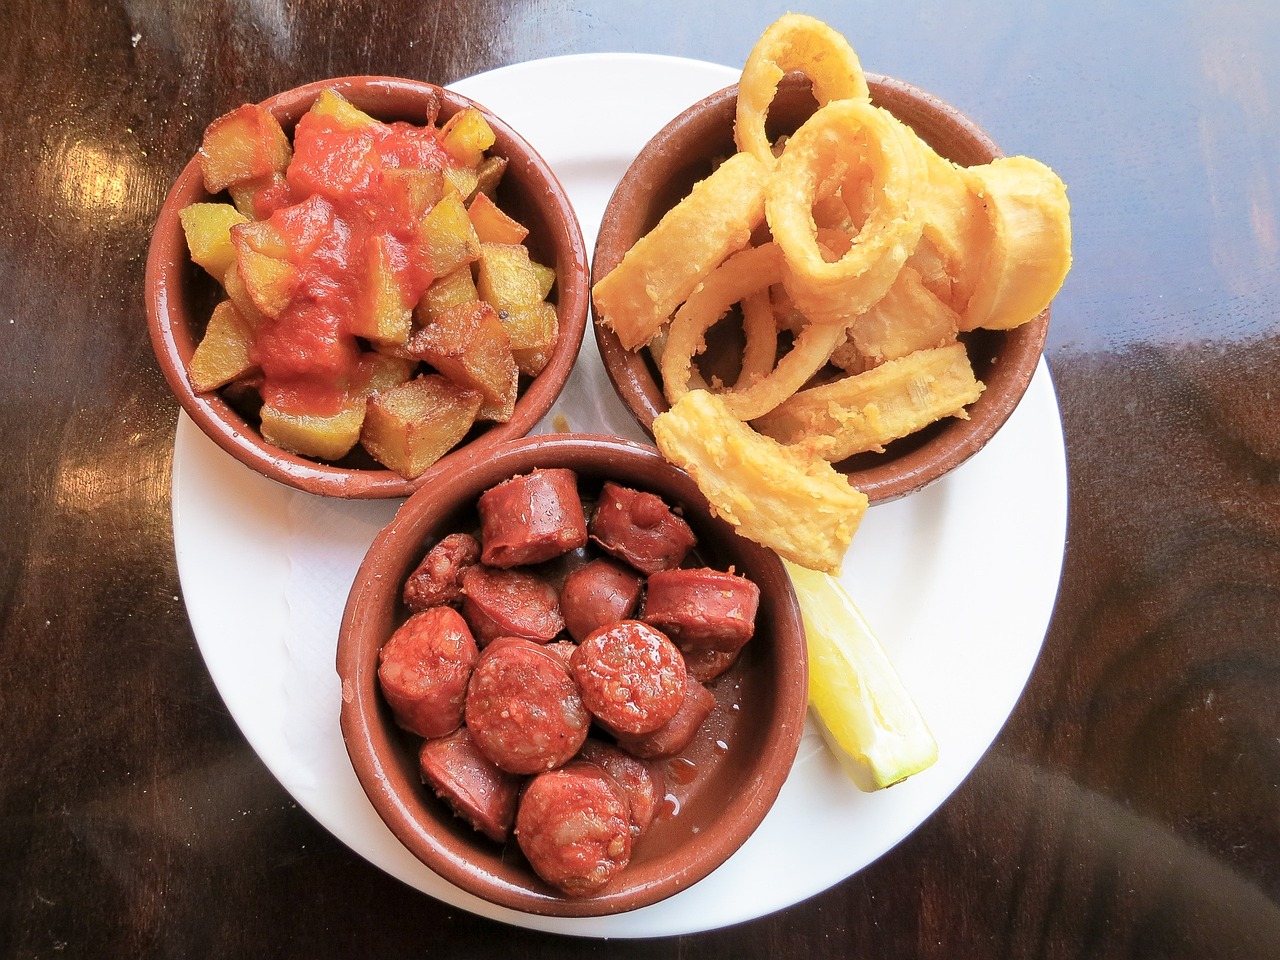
(867, 717)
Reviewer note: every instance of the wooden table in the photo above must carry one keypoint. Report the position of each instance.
(1131, 805)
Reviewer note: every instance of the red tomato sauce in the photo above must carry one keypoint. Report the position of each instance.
(333, 208)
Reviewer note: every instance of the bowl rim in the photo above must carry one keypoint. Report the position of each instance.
(367, 740)
(167, 259)
(953, 442)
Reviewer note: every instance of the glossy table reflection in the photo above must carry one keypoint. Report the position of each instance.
(1131, 806)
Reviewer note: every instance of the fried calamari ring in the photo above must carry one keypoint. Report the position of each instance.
(793, 42)
(1030, 248)
(871, 143)
(743, 275)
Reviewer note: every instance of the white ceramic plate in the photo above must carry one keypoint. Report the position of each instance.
(959, 580)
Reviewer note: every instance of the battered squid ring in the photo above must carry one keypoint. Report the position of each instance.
(743, 275)
(866, 138)
(793, 42)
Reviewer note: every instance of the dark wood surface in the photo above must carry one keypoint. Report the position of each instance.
(1131, 805)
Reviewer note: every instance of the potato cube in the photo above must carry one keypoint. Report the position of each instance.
(380, 372)
(461, 181)
(238, 293)
(245, 144)
(448, 236)
(269, 279)
(489, 175)
(384, 314)
(257, 199)
(334, 106)
(410, 427)
(466, 136)
(328, 437)
(469, 345)
(223, 354)
(534, 332)
(492, 224)
(208, 230)
(413, 189)
(546, 278)
(506, 279)
(447, 291)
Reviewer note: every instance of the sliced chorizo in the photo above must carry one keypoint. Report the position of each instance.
(597, 593)
(424, 670)
(510, 603)
(632, 677)
(679, 732)
(705, 665)
(701, 608)
(642, 782)
(640, 528)
(474, 787)
(531, 518)
(574, 828)
(437, 581)
(523, 708)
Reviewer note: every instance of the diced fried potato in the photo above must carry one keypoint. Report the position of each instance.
(245, 144)
(447, 291)
(461, 181)
(384, 314)
(208, 230)
(341, 111)
(246, 195)
(469, 345)
(466, 136)
(223, 353)
(492, 225)
(866, 411)
(448, 236)
(238, 293)
(381, 372)
(410, 427)
(505, 278)
(323, 437)
(777, 496)
(489, 174)
(269, 279)
(546, 278)
(421, 189)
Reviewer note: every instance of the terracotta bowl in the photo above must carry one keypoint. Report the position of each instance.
(722, 794)
(683, 153)
(180, 296)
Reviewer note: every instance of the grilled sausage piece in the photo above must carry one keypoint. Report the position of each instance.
(573, 827)
(510, 603)
(523, 708)
(531, 518)
(702, 608)
(438, 579)
(424, 670)
(679, 732)
(474, 787)
(632, 677)
(640, 528)
(599, 592)
(642, 782)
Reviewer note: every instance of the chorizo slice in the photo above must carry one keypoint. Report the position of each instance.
(701, 608)
(424, 670)
(510, 603)
(597, 593)
(640, 528)
(631, 676)
(705, 665)
(474, 787)
(531, 518)
(642, 782)
(437, 581)
(574, 828)
(679, 732)
(523, 708)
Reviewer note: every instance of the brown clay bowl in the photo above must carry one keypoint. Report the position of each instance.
(723, 794)
(180, 296)
(683, 153)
